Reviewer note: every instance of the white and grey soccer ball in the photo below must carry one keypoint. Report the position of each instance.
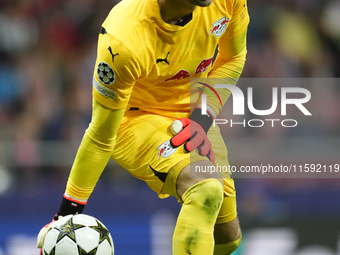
(78, 235)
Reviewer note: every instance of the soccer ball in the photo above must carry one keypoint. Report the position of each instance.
(78, 235)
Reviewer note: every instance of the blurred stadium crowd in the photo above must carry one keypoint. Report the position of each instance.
(48, 51)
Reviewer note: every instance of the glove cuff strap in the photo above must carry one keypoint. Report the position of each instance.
(204, 120)
(70, 206)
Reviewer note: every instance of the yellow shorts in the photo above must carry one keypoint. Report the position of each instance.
(142, 147)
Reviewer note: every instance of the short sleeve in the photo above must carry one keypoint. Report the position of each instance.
(115, 73)
(239, 20)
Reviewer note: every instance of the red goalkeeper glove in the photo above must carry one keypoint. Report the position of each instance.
(194, 134)
(68, 206)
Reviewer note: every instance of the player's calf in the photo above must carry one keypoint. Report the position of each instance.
(227, 237)
(227, 248)
(195, 225)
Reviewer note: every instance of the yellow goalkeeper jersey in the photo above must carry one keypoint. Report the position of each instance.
(146, 63)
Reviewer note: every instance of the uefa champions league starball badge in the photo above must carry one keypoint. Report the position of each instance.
(105, 73)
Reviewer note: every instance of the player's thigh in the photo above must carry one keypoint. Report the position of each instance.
(197, 168)
(142, 147)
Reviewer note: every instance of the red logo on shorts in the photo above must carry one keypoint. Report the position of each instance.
(160, 153)
(165, 150)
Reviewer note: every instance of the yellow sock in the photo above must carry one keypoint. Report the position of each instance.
(195, 224)
(227, 248)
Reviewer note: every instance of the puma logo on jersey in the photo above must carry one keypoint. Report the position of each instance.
(163, 59)
(113, 55)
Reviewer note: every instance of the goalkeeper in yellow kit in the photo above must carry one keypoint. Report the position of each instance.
(147, 52)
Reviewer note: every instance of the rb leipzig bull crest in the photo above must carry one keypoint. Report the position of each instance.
(219, 26)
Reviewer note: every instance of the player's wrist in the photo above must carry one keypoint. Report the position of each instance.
(70, 205)
(204, 120)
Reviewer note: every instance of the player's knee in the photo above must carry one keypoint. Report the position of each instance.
(207, 195)
(227, 248)
(204, 169)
